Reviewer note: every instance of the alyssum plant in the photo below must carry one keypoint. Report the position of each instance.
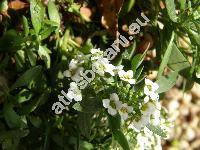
(113, 90)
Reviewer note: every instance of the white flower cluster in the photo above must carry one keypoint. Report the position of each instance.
(114, 105)
(150, 109)
(100, 66)
(80, 79)
(148, 140)
(74, 93)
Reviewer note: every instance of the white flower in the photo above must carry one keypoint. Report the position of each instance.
(74, 70)
(150, 87)
(113, 104)
(125, 110)
(74, 92)
(96, 54)
(127, 76)
(153, 96)
(151, 110)
(198, 75)
(102, 65)
(118, 69)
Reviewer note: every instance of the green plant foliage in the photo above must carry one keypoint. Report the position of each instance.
(44, 43)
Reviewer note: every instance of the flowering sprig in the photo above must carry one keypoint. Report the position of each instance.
(137, 108)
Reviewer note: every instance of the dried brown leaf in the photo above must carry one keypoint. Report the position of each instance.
(110, 10)
(17, 5)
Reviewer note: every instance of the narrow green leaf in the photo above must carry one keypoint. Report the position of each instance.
(23, 96)
(166, 57)
(128, 53)
(12, 118)
(177, 61)
(53, 13)
(127, 6)
(47, 31)
(121, 139)
(114, 122)
(27, 77)
(26, 26)
(183, 4)
(11, 41)
(44, 55)
(30, 107)
(37, 14)
(84, 122)
(31, 57)
(171, 10)
(157, 130)
(136, 61)
(166, 82)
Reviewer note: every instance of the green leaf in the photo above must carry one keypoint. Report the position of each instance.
(13, 134)
(138, 72)
(136, 62)
(37, 14)
(91, 105)
(3, 6)
(4, 62)
(23, 96)
(30, 107)
(11, 41)
(31, 56)
(166, 82)
(26, 26)
(194, 36)
(114, 122)
(183, 4)
(166, 57)
(44, 55)
(10, 139)
(84, 123)
(157, 130)
(128, 53)
(177, 61)
(12, 118)
(27, 77)
(121, 139)
(46, 32)
(128, 5)
(171, 10)
(36, 121)
(53, 13)
(87, 47)
(77, 106)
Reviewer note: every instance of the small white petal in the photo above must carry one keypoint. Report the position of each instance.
(130, 109)
(148, 82)
(70, 95)
(106, 103)
(130, 73)
(67, 73)
(114, 97)
(121, 73)
(146, 99)
(73, 64)
(124, 116)
(147, 91)
(132, 81)
(112, 111)
(154, 96)
(155, 86)
(78, 98)
(118, 104)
